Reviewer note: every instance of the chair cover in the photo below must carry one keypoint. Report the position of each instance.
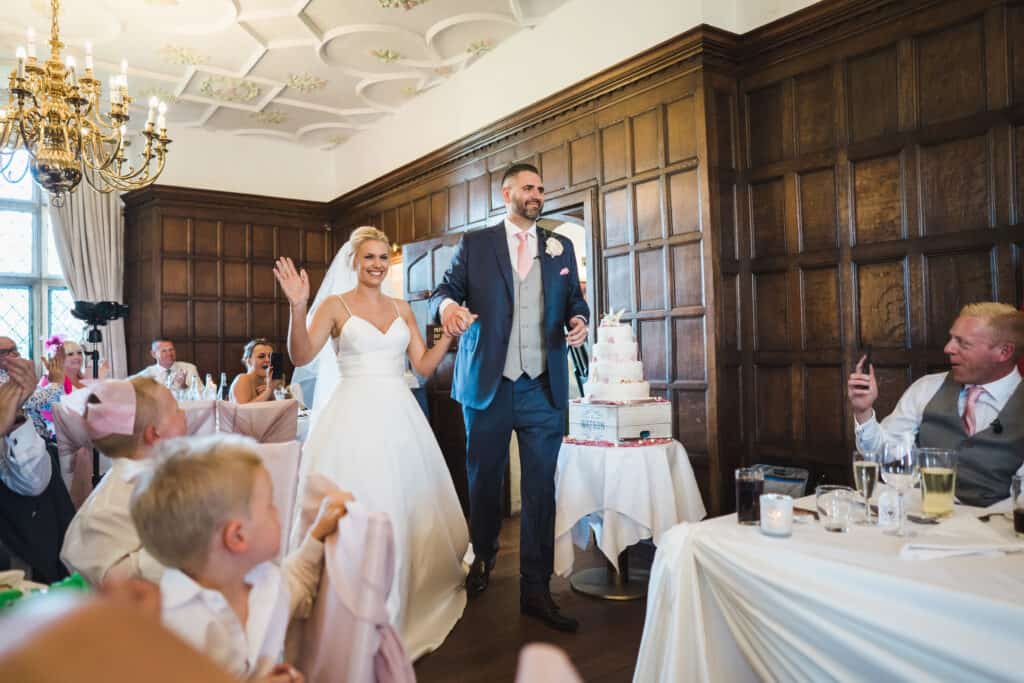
(267, 422)
(348, 638)
(201, 417)
(282, 460)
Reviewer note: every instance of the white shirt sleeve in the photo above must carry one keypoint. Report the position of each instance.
(25, 466)
(905, 419)
(301, 571)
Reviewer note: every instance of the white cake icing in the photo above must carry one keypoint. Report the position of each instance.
(615, 372)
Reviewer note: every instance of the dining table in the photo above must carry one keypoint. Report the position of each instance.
(727, 602)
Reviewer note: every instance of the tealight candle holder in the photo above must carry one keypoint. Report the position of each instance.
(776, 514)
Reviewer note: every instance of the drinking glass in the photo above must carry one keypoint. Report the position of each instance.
(835, 505)
(938, 480)
(899, 470)
(865, 478)
(1017, 499)
(749, 487)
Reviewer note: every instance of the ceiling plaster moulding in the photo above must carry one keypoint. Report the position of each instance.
(389, 92)
(450, 37)
(352, 48)
(173, 47)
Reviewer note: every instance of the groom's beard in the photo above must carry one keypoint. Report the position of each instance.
(531, 211)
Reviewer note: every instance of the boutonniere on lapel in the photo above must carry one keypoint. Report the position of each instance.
(553, 247)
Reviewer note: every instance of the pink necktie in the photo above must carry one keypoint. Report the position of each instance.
(972, 398)
(522, 256)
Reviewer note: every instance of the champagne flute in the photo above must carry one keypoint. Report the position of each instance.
(899, 469)
(865, 478)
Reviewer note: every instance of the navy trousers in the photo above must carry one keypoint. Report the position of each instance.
(524, 405)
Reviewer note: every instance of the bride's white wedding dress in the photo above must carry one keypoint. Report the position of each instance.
(372, 439)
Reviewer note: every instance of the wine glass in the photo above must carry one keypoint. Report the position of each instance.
(899, 469)
(865, 478)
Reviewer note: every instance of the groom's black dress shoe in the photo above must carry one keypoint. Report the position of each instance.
(541, 605)
(479, 577)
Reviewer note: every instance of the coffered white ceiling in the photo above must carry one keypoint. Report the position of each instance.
(314, 72)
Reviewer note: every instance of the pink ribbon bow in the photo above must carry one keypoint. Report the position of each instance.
(114, 414)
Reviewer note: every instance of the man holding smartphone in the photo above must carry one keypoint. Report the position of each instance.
(977, 407)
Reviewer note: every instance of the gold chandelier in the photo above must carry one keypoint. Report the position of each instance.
(56, 117)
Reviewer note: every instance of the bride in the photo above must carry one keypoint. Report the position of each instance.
(369, 435)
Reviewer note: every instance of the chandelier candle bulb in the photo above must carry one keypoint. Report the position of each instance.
(71, 71)
(20, 54)
(31, 35)
(88, 55)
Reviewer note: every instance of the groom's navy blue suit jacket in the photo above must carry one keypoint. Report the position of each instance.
(480, 276)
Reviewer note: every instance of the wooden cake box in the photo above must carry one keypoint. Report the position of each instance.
(619, 421)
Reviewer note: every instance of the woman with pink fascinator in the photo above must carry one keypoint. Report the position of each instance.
(64, 361)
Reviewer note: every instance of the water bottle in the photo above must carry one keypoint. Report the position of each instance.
(222, 393)
(210, 389)
(193, 389)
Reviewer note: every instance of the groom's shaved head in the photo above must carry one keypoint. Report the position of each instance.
(516, 169)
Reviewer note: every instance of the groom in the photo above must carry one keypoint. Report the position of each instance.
(511, 372)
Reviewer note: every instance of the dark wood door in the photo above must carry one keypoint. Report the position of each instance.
(424, 264)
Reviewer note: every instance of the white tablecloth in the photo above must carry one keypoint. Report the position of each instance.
(727, 603)
(623, 494)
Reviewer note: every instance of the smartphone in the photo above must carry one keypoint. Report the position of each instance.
(276, 365)
(866, 367)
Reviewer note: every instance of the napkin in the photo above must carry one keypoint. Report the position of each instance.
(958, 537)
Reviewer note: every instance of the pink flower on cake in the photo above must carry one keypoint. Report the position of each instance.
(553, 247)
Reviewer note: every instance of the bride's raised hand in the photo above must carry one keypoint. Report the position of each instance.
(294, 284)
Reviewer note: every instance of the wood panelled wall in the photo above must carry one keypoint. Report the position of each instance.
(199, 270)
(763, 206)
(628, 153)
(879, 191)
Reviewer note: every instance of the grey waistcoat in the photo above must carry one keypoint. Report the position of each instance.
(986, 461)
(526, 342)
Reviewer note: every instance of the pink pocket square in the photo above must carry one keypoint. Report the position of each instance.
(563, 271)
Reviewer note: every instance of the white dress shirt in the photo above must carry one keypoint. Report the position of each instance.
(160, 373)
(102, 536)
(24, 463)
(906, 417)
(203, 617)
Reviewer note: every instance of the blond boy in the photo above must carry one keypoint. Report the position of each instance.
(124, 419)
(207, 512)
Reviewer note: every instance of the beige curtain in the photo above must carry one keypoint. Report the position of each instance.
(89, 232)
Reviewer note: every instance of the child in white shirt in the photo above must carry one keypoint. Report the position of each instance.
(124, 420)
(206, 511)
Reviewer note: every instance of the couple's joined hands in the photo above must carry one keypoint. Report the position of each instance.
(456, 320)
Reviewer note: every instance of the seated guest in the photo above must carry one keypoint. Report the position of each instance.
(124, 420)
(75, 373)
(206, 511)
(167, 366)
(256, 383)
(34, 506)
(25, 466)
(41, 398)
(977, 407)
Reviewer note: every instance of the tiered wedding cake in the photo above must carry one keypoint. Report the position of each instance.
(616, 374)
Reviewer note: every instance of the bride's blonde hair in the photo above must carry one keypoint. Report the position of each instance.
(363, 234)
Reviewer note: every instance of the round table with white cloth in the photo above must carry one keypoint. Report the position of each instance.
(728, 603)
(623, 494)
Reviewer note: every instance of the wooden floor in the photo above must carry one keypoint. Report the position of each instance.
(484, 645)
